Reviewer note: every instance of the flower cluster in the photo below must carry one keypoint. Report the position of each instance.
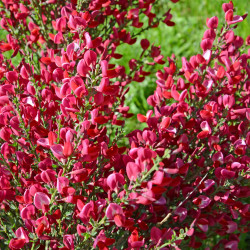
(68, 180)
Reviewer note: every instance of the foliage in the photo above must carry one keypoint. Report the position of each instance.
(73, 178)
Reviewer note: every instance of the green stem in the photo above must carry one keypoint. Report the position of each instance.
(4, 228)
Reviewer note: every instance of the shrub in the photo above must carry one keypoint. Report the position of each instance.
(68, 180)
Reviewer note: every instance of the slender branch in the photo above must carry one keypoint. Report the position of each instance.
(189, 194)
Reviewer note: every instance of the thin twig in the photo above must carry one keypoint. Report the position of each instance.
(189, 194)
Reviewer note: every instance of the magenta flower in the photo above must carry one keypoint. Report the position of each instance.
(62, 183)
(19, 242)
(115, 212)
(57, 151)
(212, 22)
(83, 68)
(115, 181)
(12, 76)
(133, 170)
(202, 201)
(90, 58)
(68, 241)
(206, 130)
(41, 201)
